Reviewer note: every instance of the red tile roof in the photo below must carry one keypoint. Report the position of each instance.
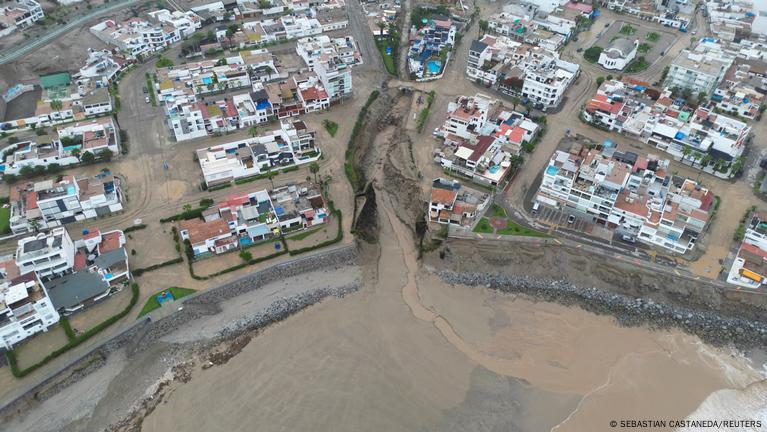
(109, 241)
(483, 143)
(200, 231)
(442, 196)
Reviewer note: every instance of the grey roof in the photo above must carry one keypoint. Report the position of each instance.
(622, 45)
(73, 289)
(110, 258)
(478, 46)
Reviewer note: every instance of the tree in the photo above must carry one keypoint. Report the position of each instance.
(314, 168)
(186, 208)
(75, 152)
(686, 150)
(702, 97)
(231, 30)
(106, 155)
(600, 80)
(483, 26)
(246, 255)
(737, 165)
(515, 101)
(9, 178)
(26, 171)
(56, 105)
(270, 175)
(381, 26)
(87, 157)
(253, 131)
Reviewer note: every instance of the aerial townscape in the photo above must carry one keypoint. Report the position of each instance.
(383, 215)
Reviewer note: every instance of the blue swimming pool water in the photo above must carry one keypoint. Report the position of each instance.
(434, 66)
(207, 80)
(494, 169)
(552, 170)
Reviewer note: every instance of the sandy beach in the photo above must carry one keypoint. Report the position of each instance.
(411, 353)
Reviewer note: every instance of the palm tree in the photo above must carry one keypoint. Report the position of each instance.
(483, 26)
(381, 26)
(686, 150)
(314, 168)
(516, 101)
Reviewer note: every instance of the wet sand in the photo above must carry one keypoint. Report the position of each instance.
(411, 353)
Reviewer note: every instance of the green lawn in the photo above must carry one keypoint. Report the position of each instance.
(152, 303)
(644, 48)
(330, 126)
(627, 30)
(303, 235)
(513, 228)
(484, 227)
(497, 211)
(388, 59)
(5, 220)
(637, 65)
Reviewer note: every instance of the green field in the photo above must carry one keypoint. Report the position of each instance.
(484, 227)
(388, 59)
(152, 303)
(513, 228)
(5, 220)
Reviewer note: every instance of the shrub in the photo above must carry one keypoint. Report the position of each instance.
(592, 54)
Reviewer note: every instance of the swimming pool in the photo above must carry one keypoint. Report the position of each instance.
(494, 169)
(434, 66)
(552, 170)
(207, 80)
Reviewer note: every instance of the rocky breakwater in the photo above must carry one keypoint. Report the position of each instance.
(712, 327)
(207, 302)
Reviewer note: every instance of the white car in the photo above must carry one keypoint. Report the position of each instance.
(146, 99)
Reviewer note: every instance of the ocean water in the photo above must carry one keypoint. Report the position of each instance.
(745, 402)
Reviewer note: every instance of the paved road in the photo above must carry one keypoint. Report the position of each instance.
(28, 46)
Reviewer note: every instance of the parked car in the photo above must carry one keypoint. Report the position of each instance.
(146, 99)
(144, 89)
(570, 220)
(536, 207)
(579, 50)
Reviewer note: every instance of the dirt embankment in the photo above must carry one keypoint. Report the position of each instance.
(587, 270)
(383, 157)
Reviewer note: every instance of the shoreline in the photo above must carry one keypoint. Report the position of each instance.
(712, 327)
(184, 355)
(141, 334)
(229, 342)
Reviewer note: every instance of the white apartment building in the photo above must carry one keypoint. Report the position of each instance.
(332, 61)
(300, 26)
(20, 13)
(184, 22)
(186, 121)
(633, 195)
(48, 255)
(467, 115)
(25, 309)
(249, 112)
(47, 204)
(136, 36)
(697, 71)
(292, 144)
(547, 79)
